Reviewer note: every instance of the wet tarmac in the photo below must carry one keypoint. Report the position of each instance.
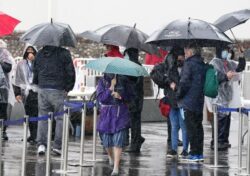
(152, 160)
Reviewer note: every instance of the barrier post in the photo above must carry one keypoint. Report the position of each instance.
(94, 132)
(63, 132)
(215, 110)
(1, 138)
(248, 146)
(65, 159)
(83, 133)
(215, 165)
(240, 139)
(48, 157)
(25, 133)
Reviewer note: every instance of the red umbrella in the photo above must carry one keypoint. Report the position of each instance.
(7, 24)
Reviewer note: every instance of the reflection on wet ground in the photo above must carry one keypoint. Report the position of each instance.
(151, 161)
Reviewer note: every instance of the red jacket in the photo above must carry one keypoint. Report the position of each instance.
(114, 52)
(151, 59)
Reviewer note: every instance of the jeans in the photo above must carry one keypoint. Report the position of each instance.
(177, 122)
(50, 100)
(193, 121)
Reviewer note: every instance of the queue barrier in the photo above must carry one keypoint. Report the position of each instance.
(69, 108)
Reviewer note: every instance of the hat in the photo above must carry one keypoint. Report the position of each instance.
(3, 44)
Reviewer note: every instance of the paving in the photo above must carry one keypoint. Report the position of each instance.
(152, 160)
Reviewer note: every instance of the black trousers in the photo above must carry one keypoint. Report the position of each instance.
(31, 109)
(3, 113)
(193, 121)
(169, 130)
(224, 122)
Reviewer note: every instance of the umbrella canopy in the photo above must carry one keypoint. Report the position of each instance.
(53, 34)
(117, 65)
(232, 19)
(7, 24)
(182, 32)
(121, 35)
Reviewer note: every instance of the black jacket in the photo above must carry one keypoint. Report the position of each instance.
(190, 92)
(53, 68)
(172, 76)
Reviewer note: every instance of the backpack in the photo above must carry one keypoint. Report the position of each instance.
(159, 74)
(211, 83)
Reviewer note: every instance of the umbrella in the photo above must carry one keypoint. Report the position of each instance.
(121, 35)
(7, 24)
(117, 65)
(232, 19)
(53, 34)
(182, 32)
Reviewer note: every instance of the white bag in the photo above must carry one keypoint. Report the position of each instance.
(17, 111)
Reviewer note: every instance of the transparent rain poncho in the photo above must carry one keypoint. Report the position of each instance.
(24, 76)
(6, 57)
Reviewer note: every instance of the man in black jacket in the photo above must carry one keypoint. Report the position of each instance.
(136, 105)
(55, 76)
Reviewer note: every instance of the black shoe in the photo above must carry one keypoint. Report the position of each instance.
(133, 150)
(183, 155)
(31, 140)
(180, 142)
(5, 137)
(172, 154)
(221, 147)
(227, 144)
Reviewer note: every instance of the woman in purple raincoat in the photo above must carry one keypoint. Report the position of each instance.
(113, 95)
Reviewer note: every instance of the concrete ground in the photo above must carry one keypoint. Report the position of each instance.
(152, 160)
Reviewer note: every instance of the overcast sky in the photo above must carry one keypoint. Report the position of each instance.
(149, 15)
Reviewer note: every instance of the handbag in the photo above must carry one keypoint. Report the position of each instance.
(165, 107)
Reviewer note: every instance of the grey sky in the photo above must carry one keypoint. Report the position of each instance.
(149, 15)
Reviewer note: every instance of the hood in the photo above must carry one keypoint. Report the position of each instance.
(25, 53)
(114, 52)
(133, 55)
(49, 50)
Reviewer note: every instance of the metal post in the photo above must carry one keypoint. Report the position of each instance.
(63, 134)
(25, 133)
(240, 139)
(83, 133)
(248, 146)
(1, 133)
(65, 159)
(50, 122)
(215, 110)
(94, 132)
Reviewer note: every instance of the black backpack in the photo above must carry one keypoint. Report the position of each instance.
(159, 75)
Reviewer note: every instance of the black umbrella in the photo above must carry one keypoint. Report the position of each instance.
(53, 34)
(121, 35)
(232, 19)
(182, 32)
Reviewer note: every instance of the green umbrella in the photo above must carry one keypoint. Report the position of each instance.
(117, 65)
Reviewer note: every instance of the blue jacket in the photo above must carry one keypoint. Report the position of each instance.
(190, 92)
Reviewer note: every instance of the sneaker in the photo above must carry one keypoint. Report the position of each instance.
(201, 158)
(56, 152)
(41, 150)
(5, 137)
(172, 154)
(193, 158)
(183, 155)
(115, 173)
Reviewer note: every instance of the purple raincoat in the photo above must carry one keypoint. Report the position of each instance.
(114, 114)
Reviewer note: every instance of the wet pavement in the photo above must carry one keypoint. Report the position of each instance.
(152, 160)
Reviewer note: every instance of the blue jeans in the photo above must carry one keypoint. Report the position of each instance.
(177, 122)
(50, 100)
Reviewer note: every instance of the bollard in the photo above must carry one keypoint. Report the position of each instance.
(25, 133)
(240, 140)
(248, 146)
(215, 110)
(83, 133)
(94, 132)
(48, 157)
